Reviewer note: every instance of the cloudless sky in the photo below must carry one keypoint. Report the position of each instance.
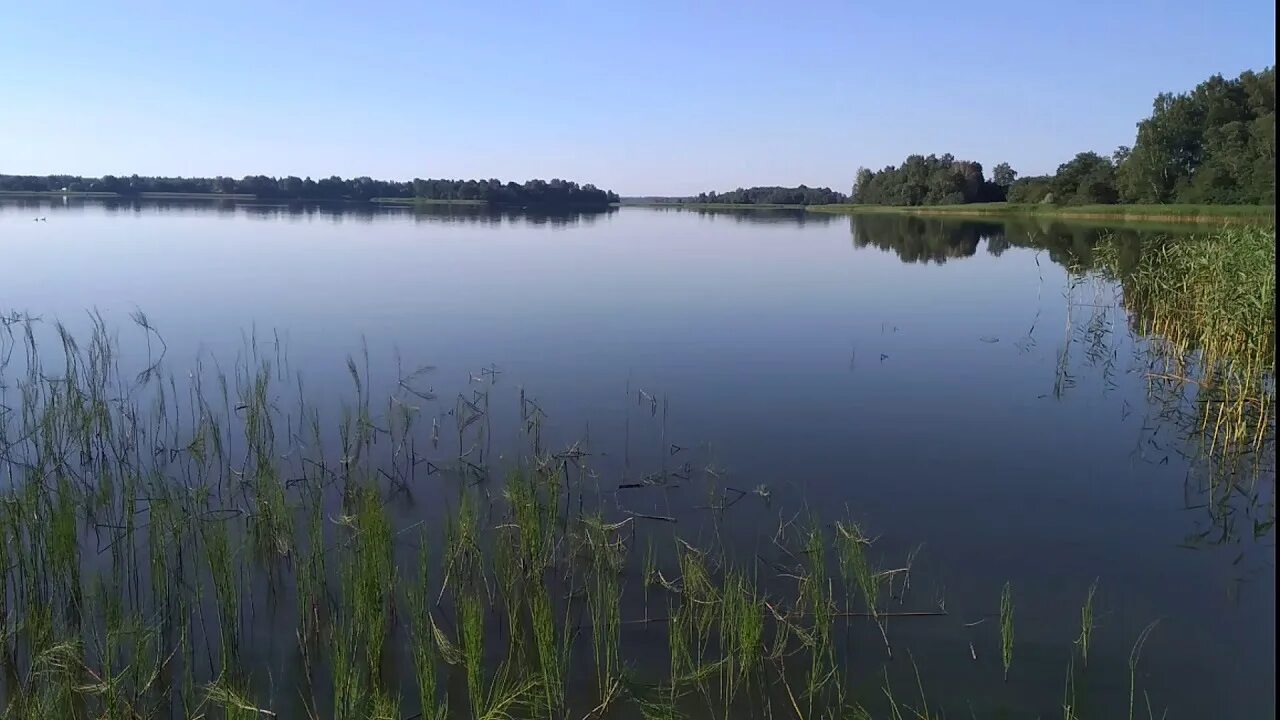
(649, 97)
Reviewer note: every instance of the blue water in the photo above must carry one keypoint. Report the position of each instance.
(950, 385)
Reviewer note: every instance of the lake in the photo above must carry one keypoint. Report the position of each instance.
(967, 392)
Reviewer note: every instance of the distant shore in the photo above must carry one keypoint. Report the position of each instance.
(1181, 213)
(1145, 213)
(120, 196)
(241, 197)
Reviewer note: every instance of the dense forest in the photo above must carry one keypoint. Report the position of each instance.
(772, 195)
(1213, 145)
(533, 192)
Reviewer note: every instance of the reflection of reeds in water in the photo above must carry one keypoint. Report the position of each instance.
(1205, 307)
(210, 511)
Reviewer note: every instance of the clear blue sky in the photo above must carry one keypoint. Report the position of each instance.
(641, 97)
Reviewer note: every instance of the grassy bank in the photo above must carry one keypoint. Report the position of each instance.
(1150, 213)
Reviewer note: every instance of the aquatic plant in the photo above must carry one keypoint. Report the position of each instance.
(1006, 628)
(155, 540)
(1209, 301)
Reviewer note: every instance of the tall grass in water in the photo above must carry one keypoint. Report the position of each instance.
(605, 556)
(741, 622)
(1086, 623)
(858, 574)
(422, 640)
(1006, 628)
(816, 601)
(1209, 300)
(151, 538)
(1134, 656)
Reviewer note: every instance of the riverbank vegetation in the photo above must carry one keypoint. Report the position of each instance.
(1209, 302)
(553, 193)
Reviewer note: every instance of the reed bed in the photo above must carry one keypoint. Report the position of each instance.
(206, 548)
(1208, 301)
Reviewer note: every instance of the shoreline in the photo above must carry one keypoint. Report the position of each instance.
(1192, 214)
(1173, 213)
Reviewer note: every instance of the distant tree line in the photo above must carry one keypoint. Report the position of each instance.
(772, 195)
(1213, 145)
(533, 192)
(930, 180)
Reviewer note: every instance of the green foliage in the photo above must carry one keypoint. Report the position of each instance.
(1006, 628)
(1003, 175)
(931, 180)
(1215, 144)
(1032, 189)
(1086, 179)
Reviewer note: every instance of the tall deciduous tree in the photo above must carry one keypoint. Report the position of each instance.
(1003, 175)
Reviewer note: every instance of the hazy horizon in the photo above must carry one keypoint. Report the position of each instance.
(653, 100)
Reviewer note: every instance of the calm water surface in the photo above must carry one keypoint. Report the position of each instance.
(949, 385)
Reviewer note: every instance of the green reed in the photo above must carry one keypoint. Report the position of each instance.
(741, 626)
(130, 505)
(432, 703)
(1209, 300)
(1086, 623)
(1135, 655)
(815, 600)
(218, 553)
(605, 554)
(1006, 628)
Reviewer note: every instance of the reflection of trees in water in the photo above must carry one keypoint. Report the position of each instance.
(498, 215)
(1112, 331)
(917, 239)
(923, 239)
(336, 212)
(1072, 245)
(467, 214)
